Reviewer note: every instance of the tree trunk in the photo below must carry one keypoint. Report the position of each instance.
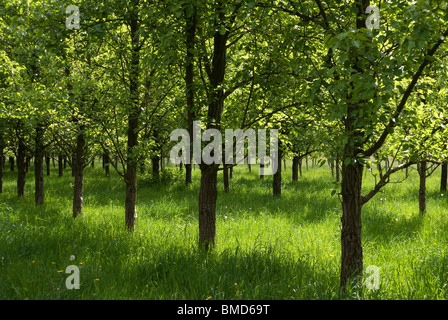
(295, 168)
(209, 172)
(27, 163)
(21, 167)
(11, 163)
(190, 29)
(422, 186)
(444, 176)
(261, 171)
(226, 178)
(106, 164)
(155, 165)
(47, 163)
(277, 179)
(133, 119)
(39, 166)
(60, 165)
(208, 194)
(351, 246)
(78, 168)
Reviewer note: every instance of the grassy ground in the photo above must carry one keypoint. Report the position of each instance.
(287, 248)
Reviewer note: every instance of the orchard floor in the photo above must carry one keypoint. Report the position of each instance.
(266, 247)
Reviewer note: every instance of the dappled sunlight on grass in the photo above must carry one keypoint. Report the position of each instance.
(266, 247)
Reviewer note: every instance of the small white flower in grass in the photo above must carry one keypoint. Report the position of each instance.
(225, 217)
(72, 257)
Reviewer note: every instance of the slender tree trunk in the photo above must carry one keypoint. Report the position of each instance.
(106, 164)
(155, 165)
(60, 166)
(226, 178)
(208, 194)
(27, 163)
(21, 167)
(261, 171)
(78, 168)
(422, 186)
(295, 168)
(11, 164)
(133, 119)
(39, 166)
(47, 163)
(190, 29)
(443, 177)
(277, 179)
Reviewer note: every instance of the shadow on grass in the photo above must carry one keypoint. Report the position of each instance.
(384, 225)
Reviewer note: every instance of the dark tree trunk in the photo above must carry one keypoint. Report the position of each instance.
(155, 165)
(11, 163)
(444, 177)
(78, 169)
(190, 29)
(261, 171)
(60, 165)
(106, 164)
(207, 206)
(295, 168)
(39, 166)
(351, 246)
(27, 163)
(47, 163)
(209, 172)
(133, 119)
(422, 186)
(277, 179)
(21, 167)
(226, 178)
(380, 169)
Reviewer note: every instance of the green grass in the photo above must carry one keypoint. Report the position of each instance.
(267, 248)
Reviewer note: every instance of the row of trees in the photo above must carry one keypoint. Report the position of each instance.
(135, 70)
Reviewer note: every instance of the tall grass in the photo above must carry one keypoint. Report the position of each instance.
(267, 248)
